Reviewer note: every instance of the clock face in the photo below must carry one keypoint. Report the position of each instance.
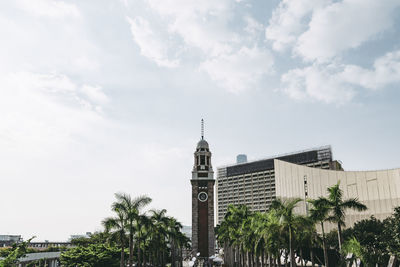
(202, 196)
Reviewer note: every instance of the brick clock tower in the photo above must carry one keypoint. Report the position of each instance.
(203, 237)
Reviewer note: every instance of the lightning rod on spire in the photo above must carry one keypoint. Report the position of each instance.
(202, 129)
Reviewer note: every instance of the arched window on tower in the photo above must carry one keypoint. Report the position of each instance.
(202, 160)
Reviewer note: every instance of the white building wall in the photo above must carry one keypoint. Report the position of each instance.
(378, 190)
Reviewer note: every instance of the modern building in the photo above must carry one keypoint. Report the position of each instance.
(378, 190)
(253, 183)
(86, 235)
(203, 237)
(9, 240)
(241, 158)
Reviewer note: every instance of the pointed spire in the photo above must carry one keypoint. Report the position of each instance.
(202, 129)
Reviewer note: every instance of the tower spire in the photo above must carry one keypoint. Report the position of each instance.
(202, 129)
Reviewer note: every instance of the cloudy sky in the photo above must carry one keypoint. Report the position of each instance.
(98, 97)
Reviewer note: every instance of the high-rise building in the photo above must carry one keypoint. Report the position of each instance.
(203, 237)
(241, 158)
(253, 183)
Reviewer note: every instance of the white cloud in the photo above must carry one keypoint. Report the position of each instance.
(344, 25)
(289, 20)
(317, 82)
(253, 27)
(224, 52)
(95, 94)
(48, 8)
(200, 24)
(338, 83)
(239, 71)
(151, 44)
(41, 111)
(386, 71)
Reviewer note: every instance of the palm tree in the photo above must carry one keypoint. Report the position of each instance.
(131, 208)
(272, 235)
(142, 226)
(173, 229)
(160, 222)
(117, 225)
(338, 207)
(319, 214)
(257, 225)
(288, 220)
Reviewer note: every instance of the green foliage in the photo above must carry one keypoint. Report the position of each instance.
(16, 252)
(369, 235)
(95, 238)
(353, 247)
(92, 255)
(391, 233)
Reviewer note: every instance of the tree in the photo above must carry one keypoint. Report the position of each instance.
(289, 220)
(95, 238)
(353, 247)
(368, 233)
(142, 228)
(159, 235)
(116, 226)
(392, 233)
(131, 209)
(173, 229)
(99, 255)
(338, 206)
(17, 251)
(319, 214)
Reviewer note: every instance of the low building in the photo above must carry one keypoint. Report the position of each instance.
(9, 240)
(378, 190)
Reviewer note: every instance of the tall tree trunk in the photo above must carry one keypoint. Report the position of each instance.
(286, 259)
(139, 263)
(270, 260)
(122, 263)
(312, 257)
(326, 259)
(163, 258)
(262, 257)
(292, 260)
(144, 255)
(301, 257)
(279, 260)
(340, 236)
(243, 263)
(131, 249)
(172, 254)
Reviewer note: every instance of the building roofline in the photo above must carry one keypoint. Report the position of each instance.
(277, 156)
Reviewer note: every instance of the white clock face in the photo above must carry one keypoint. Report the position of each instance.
(202, 196)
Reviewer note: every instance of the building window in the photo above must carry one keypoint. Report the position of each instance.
(202, 160)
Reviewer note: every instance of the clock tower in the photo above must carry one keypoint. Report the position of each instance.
(203, 237)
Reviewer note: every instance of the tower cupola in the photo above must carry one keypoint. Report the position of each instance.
(202, 168)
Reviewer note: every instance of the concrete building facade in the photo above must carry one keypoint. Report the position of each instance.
(253, 183)
(378, 190)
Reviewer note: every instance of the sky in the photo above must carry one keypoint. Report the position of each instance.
(106, 96)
